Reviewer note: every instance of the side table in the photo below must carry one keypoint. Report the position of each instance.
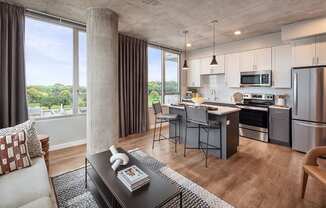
(44, 139)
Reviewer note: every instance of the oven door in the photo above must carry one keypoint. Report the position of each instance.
(253, 117)
(254, 123)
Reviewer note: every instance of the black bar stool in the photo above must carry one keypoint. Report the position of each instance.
(161, 118)
(197, 117)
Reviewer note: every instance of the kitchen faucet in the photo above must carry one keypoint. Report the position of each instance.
(213, 92)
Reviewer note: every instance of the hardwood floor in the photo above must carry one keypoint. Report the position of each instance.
(259, 175)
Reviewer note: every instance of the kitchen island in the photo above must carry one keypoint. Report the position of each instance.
(227, 116)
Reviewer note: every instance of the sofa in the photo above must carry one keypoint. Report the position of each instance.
(26, 188)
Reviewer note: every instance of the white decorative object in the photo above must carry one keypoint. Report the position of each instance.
(281, 100)
(117, 158)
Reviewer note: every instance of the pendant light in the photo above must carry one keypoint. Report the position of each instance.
(214, 62)
(185, 64)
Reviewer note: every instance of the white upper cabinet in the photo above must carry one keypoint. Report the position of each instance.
(281, 66)
(246, 61)
(206, 69)
(321, 50)
(204, 65)
(232, 72)
(256, 60)
(303, 52)
(193, 74)
(263, 59)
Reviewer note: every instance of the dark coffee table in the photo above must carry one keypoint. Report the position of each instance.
(109, 191)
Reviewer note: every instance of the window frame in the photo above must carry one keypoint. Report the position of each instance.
(163, 52)
(76, 29)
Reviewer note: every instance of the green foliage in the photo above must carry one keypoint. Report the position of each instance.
(171, 87)
(155, 90)
(53, 96)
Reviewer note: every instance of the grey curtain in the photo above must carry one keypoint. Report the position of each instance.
(13, 106)
(133, 105)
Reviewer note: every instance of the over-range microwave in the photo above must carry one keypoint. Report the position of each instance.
(256, 79)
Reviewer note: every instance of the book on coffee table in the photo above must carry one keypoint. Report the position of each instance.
(133, 178)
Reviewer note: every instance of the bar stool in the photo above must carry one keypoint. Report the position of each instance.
(161, 118)
(197, 117)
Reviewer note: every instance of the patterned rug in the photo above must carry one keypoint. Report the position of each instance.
(71, 193)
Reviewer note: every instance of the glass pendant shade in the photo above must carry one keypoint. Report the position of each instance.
(214, 62)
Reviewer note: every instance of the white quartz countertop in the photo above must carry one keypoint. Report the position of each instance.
(221, 110)
(280, 107)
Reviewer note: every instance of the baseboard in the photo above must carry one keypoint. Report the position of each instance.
(68, 144)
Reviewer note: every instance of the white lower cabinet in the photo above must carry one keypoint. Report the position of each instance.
(281, 66)
(232, 71)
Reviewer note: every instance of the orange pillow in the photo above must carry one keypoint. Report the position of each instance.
(14, 152)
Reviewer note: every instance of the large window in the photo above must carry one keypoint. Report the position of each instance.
(55, 69)
(163, 76)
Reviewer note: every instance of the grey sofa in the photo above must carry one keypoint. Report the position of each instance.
(26, 188)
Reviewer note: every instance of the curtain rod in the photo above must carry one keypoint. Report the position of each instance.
(35, 13)
(55, 17)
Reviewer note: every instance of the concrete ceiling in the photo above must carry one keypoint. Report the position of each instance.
(163, 21)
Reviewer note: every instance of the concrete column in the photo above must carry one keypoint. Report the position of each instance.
(102, 79)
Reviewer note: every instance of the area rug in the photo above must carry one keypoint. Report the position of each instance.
(71, 193)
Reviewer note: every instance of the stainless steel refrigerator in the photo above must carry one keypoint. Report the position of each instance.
(309, 108)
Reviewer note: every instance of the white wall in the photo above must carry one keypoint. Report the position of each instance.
(217, 82)
(63, 131)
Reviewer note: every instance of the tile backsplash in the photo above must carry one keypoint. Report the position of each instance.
(224, 93)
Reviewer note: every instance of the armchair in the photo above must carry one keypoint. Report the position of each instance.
(311, 167)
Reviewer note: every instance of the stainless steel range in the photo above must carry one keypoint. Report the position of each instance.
(254, 116)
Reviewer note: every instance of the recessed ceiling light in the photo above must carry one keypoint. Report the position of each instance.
(188, 45)
(238, 32)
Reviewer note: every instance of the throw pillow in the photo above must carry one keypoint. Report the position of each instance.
(34, 145)
(14, 152)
